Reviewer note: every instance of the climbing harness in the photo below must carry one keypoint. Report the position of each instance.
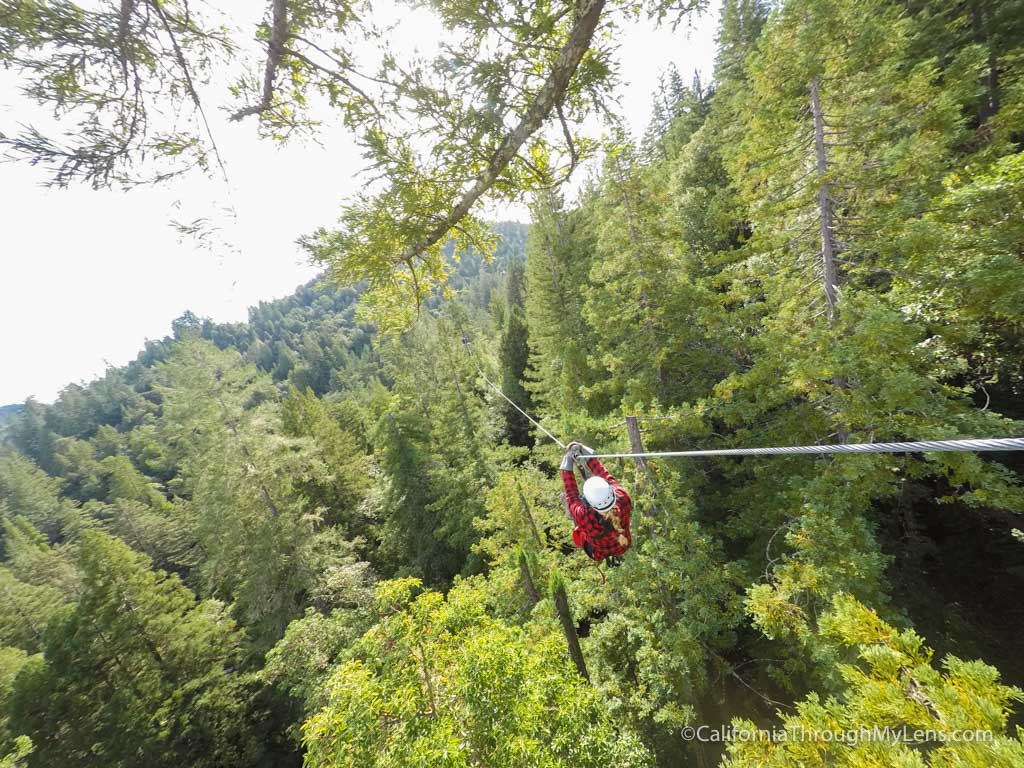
(611, 561)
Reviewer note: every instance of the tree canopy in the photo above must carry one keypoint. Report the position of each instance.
(321, 536)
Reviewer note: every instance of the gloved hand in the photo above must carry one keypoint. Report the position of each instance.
(584, 450)
(572, 450)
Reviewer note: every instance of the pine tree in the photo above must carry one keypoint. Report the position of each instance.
(974, 231)
(29, 492)
(11, 661)
(558, 258)
(648, 329)
(32, 560)
(165, 535)
(513, 357)
(32, 436)
(25, 611)
(339, 496)
(739, 27)
(242, 476)
(139, 672)
(408, 529)
(78, 466)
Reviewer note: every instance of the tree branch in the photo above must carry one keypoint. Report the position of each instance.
(574, 157)
(189, 84)
(275, 52)
(552, 93)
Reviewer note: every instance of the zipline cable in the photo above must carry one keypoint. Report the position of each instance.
(497, 389)
(922, 446)
(919, 446)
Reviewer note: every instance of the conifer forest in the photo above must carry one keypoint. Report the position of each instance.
(327, 537)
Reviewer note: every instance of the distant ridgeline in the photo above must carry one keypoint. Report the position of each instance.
(312, 338)
(309, 339)
(7, 411)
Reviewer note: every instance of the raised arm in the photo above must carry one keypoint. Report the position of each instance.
(572, 491)
(598, 469)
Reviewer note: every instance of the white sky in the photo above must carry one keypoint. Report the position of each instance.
(86, 277)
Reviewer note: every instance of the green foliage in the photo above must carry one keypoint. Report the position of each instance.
(11, 662)
(891, 693)
(303, 660)
(243, 477)
(32, 560)
(513, 356)
(166, 536)
(29, 433)
(27, 491)
(437, 444)
(973, 231)
(660, 642)
(144, 60)
(25, 611)
(500, 114)
(651, 336)
(22, 749)
(437, 682)
(341, 496)
(558, 258)
(138, 671)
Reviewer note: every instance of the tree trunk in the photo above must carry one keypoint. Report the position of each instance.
(532, 596)
(826, 226)
(572, 640)
(826, 215)
(529, 516)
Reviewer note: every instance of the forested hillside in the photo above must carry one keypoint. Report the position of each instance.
(323, 538)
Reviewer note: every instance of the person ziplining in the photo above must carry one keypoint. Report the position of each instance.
(601, 513)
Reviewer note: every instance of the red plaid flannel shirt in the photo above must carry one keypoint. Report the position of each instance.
(591, 528)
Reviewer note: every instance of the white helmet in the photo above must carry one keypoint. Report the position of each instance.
(598, 493)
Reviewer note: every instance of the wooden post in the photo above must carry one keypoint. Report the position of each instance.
(561, 601)
(637, 446)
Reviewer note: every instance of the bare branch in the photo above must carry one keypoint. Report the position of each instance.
(275, 52)
(574, 157)
(189, 84)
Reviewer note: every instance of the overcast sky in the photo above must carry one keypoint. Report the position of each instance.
(86, 277)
